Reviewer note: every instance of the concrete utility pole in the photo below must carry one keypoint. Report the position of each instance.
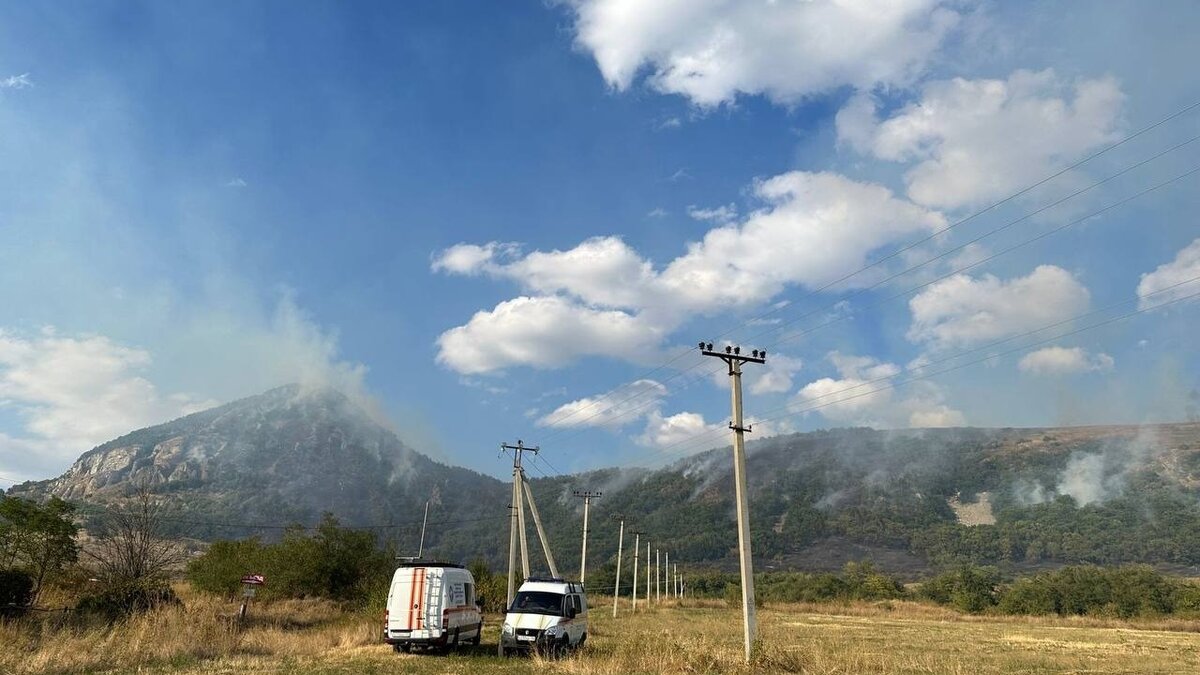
(657, 576)
(617, 585)
(518, 518)
(637, 545)
(734, 359)
(587, 502)
(648, 584)
(667, 571)
(537, 521)
(676, 584)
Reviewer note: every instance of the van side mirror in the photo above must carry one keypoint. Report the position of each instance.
(571, 612)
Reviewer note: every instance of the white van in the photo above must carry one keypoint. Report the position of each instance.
(431, 605)
(549, 615)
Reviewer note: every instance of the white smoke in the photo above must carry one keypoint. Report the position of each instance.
(1095, 477)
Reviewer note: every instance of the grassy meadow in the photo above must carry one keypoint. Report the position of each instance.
(313, 636)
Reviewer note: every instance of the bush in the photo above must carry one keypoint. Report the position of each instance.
(1125, 592)
(334, 562)
(120, 600)
(491, 589)
(16, 591)
(967, 589)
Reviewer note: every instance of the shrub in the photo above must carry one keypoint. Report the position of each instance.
(16, 591)
(967, 589)
(334, 562)
(1126, 592)
(116, 601)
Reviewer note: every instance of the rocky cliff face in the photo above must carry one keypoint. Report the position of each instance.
(286, 455)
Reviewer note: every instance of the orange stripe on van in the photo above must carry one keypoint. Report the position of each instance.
(421, 599)
(412, 591)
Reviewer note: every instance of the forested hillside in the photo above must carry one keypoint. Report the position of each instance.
(901, 498)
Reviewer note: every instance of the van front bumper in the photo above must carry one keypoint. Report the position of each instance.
(527, 639)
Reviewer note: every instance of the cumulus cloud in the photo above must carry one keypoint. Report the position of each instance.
(616, 408)
(543, 332)
(810, 229)
(710, 51)
(668, 432)
(775, 377)
(860, 396)
(75, 392)
(973, 141)
(813, 228)
(1152, 289)
(963, 310)
(1064, 361)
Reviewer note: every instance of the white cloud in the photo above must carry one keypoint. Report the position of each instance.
(21, 81)
(1064, 361)
(815, 226)
(235, 182)
(657, 212)
(1184, 267)
(601, 271)
(861, 396)
(74, 393)
(668, 432)
(619, 407)
(776, 377)
(470, 259)
(542, 332)
(812, 227)
(974, 141)
(962, 310)
(718, 214)
(712, 50)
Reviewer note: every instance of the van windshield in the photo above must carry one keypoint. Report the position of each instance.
(538, 602)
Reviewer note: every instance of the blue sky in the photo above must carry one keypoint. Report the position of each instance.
(471, 214)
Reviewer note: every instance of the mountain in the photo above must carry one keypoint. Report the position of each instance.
(915, 499)
(909, 500)
(284, 456)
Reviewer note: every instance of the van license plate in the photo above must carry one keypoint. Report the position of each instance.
(525, 638)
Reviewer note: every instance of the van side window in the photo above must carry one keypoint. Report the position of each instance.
(469, 592)
(575, 602)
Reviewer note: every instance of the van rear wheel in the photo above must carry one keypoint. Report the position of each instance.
(478, 634)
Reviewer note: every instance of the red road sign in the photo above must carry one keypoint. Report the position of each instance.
(254, 580)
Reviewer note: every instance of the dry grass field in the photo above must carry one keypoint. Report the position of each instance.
(690, 637)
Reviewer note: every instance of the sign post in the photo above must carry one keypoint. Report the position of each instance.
(250, 584)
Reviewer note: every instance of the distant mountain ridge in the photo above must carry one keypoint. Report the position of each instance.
(909, 499)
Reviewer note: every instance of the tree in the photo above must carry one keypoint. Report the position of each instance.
(38, 539)
(131, 549)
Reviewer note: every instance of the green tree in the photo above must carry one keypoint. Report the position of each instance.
(37, 538)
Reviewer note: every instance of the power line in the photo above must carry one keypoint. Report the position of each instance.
(964, 268)
(998, 229)
(893, 254)
(794, 411)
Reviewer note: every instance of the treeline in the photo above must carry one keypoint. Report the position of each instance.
(1123, 592)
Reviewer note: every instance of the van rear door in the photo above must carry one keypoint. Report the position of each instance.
(405, 601)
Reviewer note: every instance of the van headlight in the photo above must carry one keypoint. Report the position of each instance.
(508, 629)
(554, 631)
